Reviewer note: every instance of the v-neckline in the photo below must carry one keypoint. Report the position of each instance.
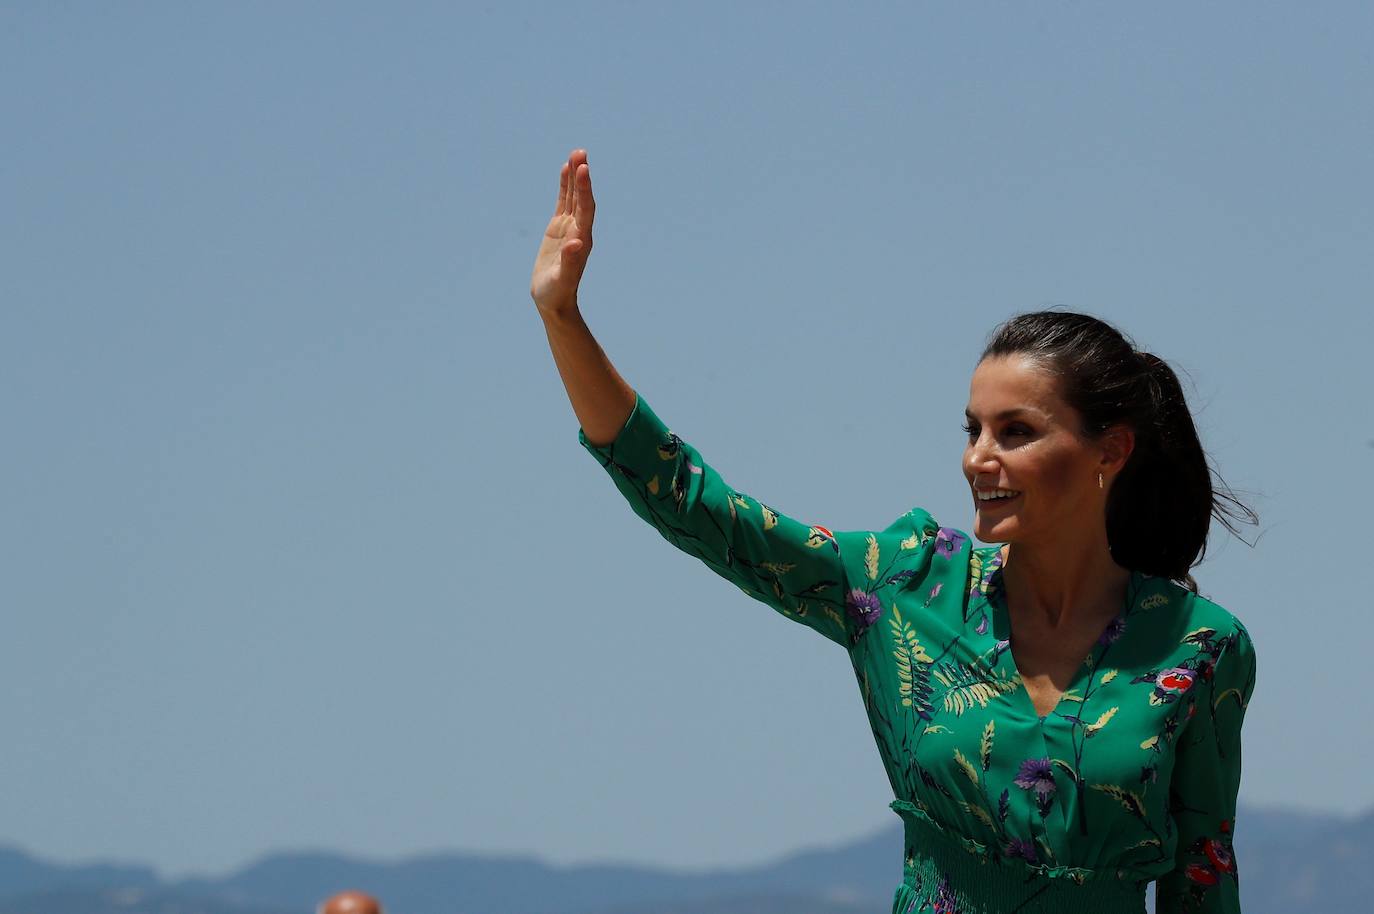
(994, 595)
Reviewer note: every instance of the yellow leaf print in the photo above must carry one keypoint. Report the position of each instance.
(1101, 722)
(977, 810)
(871, 558)
(908, 652)
(1150, 743)
(741, 501)
(653, 486)
(911, 542)
(770, 517)
(966, 765)
(1240, 699)
(1131, 801)
(777, 567)
(1198, 635)
(985, 745)
(1108, 676)
(937, 728)
(968, 686)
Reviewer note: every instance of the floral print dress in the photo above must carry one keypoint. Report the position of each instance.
(1131, 779)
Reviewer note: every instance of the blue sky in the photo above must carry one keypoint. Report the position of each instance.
(301, 550)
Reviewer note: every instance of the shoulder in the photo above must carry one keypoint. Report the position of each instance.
(917, 531)
(913, 530)
(1205, 613)
(1220, 638)
(916, 520)
(912, 548)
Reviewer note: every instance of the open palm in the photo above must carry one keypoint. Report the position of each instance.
(567, 241)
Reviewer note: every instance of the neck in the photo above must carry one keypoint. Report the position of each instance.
(1064, 583)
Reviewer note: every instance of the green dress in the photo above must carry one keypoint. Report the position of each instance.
(1131, 779)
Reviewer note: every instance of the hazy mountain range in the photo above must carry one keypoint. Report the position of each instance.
(1289, 862)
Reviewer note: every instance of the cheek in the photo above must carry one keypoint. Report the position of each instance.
(1054, 474)
(1058, 476)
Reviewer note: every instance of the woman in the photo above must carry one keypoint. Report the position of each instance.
(1059, 715)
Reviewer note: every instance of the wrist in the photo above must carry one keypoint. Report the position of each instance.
(560, 313)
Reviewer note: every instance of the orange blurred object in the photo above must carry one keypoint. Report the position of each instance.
(351, 903)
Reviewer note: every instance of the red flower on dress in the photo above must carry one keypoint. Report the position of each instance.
(1221, 858)
(1179, 679)
(1200, 874)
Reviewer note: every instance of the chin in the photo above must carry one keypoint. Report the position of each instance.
(995, 530)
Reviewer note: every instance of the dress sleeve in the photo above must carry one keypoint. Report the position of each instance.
(794, 567)
(1206, 777)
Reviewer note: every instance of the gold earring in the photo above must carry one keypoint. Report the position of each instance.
(1099, 480)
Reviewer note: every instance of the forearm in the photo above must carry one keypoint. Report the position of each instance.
(600, 398)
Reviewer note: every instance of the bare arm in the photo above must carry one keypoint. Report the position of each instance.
(600, 397)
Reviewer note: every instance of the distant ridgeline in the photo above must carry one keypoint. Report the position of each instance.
(1288, 862)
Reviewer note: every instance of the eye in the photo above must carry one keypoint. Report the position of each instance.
(1017, 428)
(970, 429)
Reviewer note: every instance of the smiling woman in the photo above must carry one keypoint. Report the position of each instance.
(1058, 713)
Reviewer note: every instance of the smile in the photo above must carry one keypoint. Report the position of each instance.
(994, 496)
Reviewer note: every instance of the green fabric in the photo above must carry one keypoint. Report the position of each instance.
(1132, 778)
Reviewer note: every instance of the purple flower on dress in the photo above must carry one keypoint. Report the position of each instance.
(982, 628)
(863, 607)
(948, 542)
(1036, 774)
(1017, 849)
(935, 591)
(1112, 631)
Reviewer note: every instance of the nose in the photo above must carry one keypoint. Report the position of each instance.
(979, 458)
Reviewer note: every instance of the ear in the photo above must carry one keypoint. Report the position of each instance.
(1117, 443)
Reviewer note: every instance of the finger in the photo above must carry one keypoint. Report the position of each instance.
(562, 190)
(572, 181)
(585, 205)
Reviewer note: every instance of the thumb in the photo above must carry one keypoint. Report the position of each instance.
(572, 251)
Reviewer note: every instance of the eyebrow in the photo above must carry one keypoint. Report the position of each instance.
(1004, 414)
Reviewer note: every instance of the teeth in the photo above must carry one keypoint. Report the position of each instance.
(995, 493)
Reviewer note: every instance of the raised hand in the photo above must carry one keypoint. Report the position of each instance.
(567, 241)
